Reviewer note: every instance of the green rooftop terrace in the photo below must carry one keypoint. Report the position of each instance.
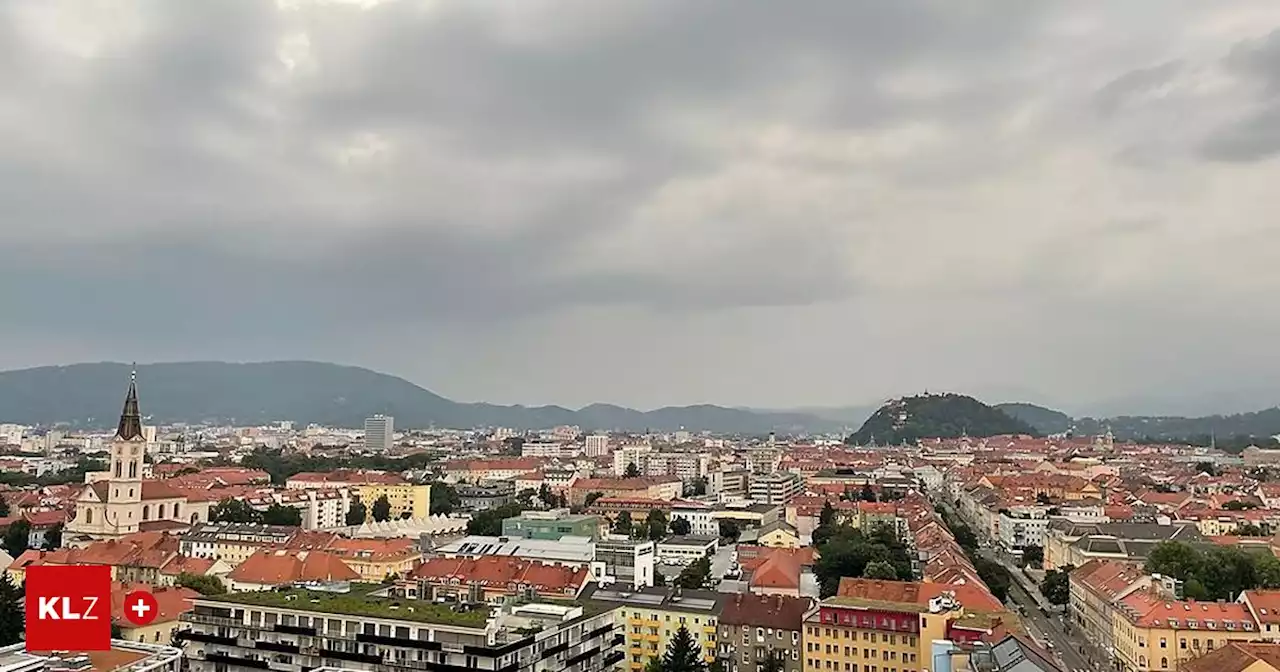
(360, 602)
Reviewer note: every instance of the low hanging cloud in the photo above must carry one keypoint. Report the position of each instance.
(461, 178)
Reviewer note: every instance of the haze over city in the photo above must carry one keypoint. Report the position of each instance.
(655, 203)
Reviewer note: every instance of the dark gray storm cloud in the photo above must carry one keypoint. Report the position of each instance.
(647, 202)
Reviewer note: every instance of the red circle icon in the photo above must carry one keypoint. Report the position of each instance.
(140, 607)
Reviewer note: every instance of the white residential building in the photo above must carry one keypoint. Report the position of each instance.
(597, 445)
(1022, 526)
(701, 522)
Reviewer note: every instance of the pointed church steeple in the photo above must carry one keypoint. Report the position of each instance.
(131, 418)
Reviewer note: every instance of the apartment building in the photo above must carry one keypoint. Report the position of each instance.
(622, 562)
(597, 445)
(699, 515)
(233, 542)
(361, 626)
(753, 625)
(1154, 633)
(776, 488)
(320, 509)
(379, 433)
(890, 626)
(1095, 588)
(729, 486)
(1020, 527)
(652, 616)
(412, 500)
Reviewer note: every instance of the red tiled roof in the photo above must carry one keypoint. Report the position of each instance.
(972, 597)
(504, 571)
(277, 567)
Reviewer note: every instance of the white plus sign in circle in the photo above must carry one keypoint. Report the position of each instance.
(140, 607)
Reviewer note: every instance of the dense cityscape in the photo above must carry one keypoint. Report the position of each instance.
(284, 548)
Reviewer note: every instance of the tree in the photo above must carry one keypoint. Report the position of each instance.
(632, 471)
(381, 509)
(1043, 499)
(1249, 530)
(696, 487)
(729, 529)
(1056, 586)
(545, 496)
(623, 524)
(53, 537)
(868, 494)
(659, 579)
(1174, 558)
(696, 575)
(444, 498)
(205, 585)
(827, 517)
(654, 664)
(12, 611)
(4, 508)
(994, 575)
(683, 654)
(680, 527)
(880, 570)
(1207, 468)
(591, 498)
(488, 523)
(1238, 505)
(17, 537)
(848, 552)
(279, 514)
(1033, 556)
(232, 510)
(356, 512)
(656, 521)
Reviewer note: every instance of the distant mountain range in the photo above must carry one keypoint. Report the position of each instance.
(90, 395)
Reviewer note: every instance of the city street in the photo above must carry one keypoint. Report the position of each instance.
(1066, 648)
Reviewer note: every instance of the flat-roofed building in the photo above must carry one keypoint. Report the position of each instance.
(366, 626)
(652, 616)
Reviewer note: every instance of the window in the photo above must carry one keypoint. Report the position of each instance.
(1164, 662)
(1182, 643)
(88, 516)
(146, 512)
(1163, 643)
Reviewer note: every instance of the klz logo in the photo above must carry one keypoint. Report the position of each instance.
(68, 608)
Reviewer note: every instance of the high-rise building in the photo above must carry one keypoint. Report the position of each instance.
(379, 431)
(597, 445)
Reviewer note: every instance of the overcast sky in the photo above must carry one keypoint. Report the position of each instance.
(651, 202)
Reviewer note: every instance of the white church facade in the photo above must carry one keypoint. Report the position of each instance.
(125, 502)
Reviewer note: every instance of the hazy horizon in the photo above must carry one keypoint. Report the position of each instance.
(652, 202)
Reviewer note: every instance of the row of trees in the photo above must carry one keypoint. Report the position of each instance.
(991, 572)
(844, 550)
(232, 510)
(1216, 572)
(282, 465)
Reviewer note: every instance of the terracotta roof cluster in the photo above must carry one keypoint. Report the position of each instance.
(1146, 608)
(504, 571)
(503, 464)
(617, 484)
(143, 549)
(1237, 657)
(277, 567)
(918, 593)
(366, 550)
(1108, 578)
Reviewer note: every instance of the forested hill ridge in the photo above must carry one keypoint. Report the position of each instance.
(1045, 420)
(909, 419)
(89, 395)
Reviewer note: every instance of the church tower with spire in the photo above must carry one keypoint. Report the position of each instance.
(128, 450)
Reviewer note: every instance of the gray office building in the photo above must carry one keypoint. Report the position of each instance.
(379, 432)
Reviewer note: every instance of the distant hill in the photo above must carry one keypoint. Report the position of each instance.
(90, 395)
(1045, 420)
(935, 415)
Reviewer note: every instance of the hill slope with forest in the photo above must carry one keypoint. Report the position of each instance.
(935, 415)
(89, 395)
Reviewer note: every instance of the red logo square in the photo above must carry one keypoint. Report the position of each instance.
(68, 608)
